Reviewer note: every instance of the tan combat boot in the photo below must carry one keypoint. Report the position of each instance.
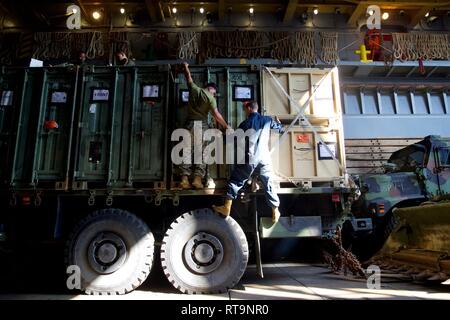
(197, 183)
(184, 184)
(225, 209)
(275, 214)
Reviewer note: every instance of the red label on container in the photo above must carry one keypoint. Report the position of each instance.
(303, 138)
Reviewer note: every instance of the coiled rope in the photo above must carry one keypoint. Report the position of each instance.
(420, 46)
(329, 47)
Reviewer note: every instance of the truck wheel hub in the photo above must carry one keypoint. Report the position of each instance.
(107, 253)
(203, 253)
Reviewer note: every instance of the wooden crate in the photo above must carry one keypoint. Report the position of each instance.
(300, 156)
(364, 156)
(300, 83)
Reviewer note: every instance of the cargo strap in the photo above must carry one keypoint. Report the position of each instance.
(301, 114)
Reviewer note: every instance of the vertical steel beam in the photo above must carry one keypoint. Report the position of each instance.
(362, 107)
(412, 101)
(429, 104)
(395, 102)
(446, 103)
(379, 108)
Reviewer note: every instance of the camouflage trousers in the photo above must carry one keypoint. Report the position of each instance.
(188, 169)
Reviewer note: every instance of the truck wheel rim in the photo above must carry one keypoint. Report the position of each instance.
(107, 253)
(203, 253)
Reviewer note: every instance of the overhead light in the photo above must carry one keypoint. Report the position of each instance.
(74, 10)
(427, 14)
(371, 12)
(122, 10)
(96, 15)
(202, 10)
(385, 16)
(174, 10)
(316, 11)
(251, 10)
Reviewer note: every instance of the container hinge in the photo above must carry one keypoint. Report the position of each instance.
(158, 198)
(109, 198)
(176, 200)
(91, 199)
(34, 180)
(38, 199)
(148, 198)
(13, 199)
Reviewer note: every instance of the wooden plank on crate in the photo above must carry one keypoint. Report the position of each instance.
(374, 149)
(364, 170)
(380, 142)
(367, 156)
(364, 164)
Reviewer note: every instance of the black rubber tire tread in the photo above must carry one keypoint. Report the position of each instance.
(140, 249)
(235, 248)
(391, 224)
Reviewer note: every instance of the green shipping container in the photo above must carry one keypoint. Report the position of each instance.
(227, 79)
(10, 97)
(122, 128)
(42, 150)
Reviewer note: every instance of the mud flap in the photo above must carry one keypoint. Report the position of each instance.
(291, 227)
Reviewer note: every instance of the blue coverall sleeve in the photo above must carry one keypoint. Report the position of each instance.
(276, 126)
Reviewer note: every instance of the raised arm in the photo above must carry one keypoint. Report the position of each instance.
(187, 74)
(219, 119)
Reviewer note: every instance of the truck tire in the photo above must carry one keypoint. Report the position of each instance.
(114, 250)
(204, 253)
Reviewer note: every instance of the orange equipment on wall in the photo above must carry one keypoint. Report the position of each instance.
(374, 41)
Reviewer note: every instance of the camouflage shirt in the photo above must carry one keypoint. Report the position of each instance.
(200, 103)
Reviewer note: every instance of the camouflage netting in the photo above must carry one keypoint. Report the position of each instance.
(63, 45)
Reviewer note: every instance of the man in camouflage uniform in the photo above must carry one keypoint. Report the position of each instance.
(201, 103)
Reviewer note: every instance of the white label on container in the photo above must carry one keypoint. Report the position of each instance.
(59, 97)
(243, 93)
(100, 95)
(92, 108)
(151, 91)
(323, 151)
(185, 96)
(7, 98)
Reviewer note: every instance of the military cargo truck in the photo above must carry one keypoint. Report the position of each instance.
(413, 175)
(85, 162)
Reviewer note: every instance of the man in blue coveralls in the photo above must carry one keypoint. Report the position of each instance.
(258, 158)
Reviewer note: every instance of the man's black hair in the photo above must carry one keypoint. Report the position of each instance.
(212, 85)
(252, 104)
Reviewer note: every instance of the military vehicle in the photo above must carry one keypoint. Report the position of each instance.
(413, 175)
(85, 164)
